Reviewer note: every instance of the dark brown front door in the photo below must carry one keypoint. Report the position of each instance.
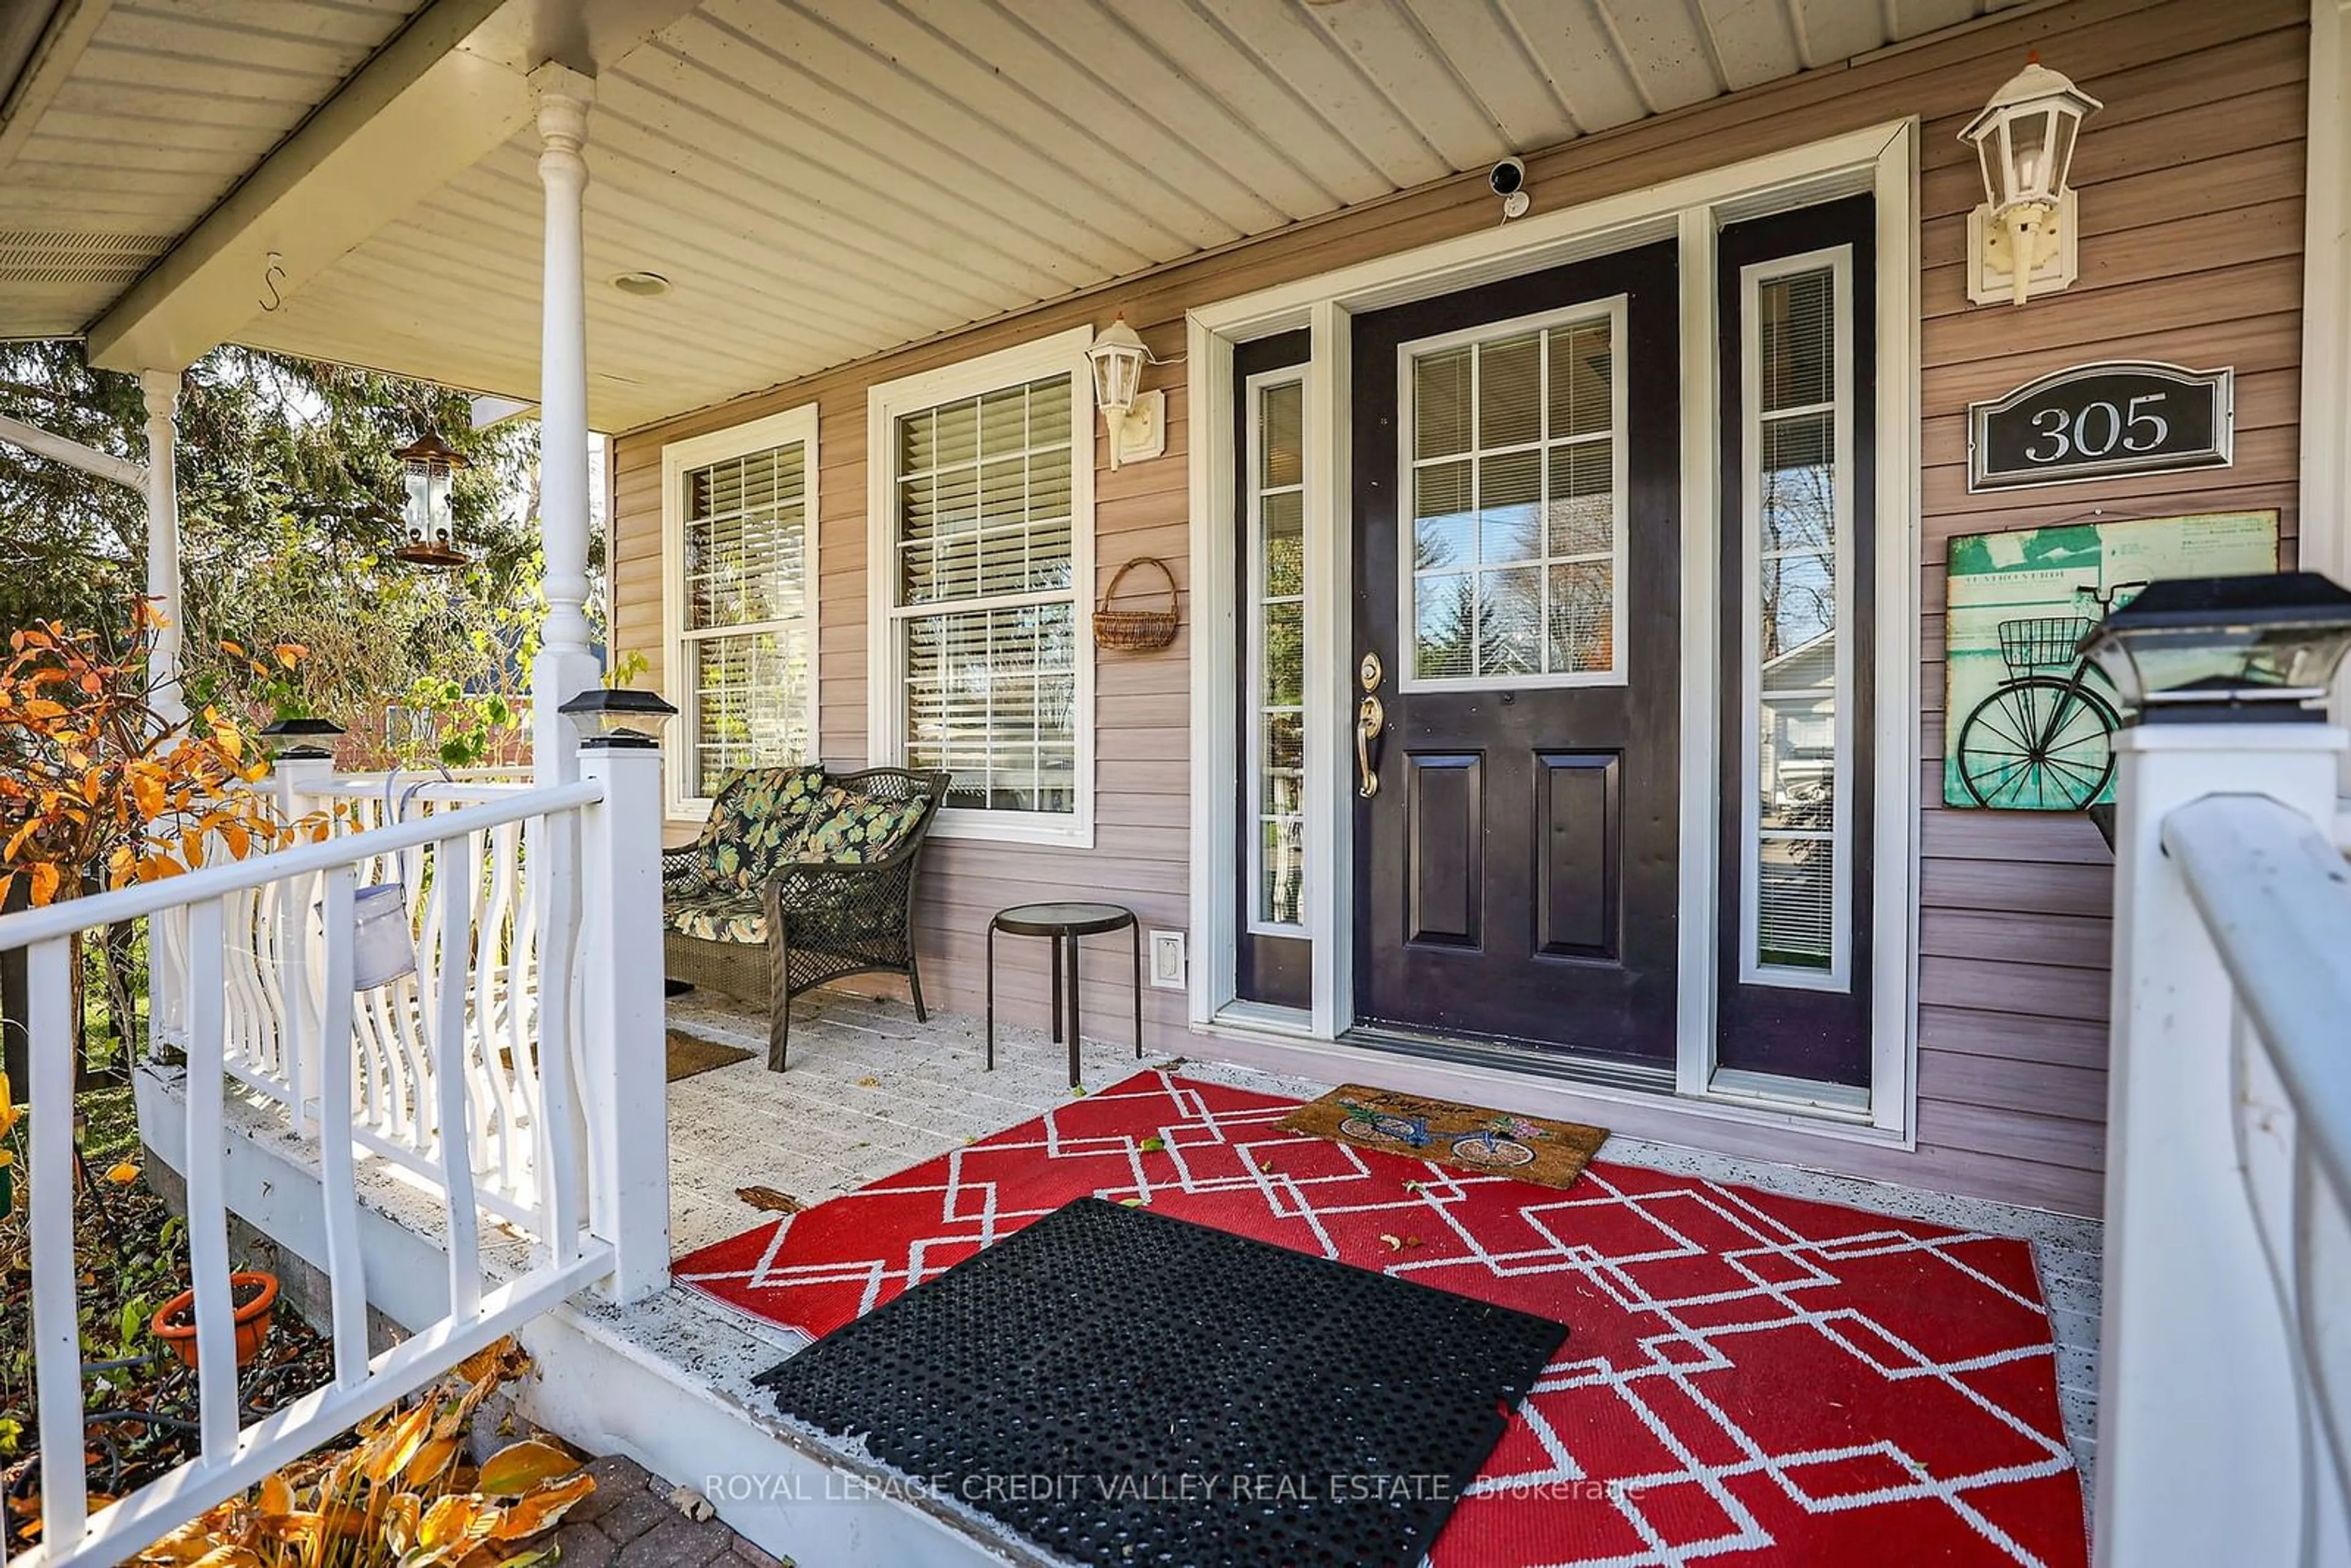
(1518, 580)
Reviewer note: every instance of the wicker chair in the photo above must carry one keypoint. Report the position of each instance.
(809, 922)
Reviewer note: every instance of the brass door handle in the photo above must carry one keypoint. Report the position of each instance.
(1370, 719)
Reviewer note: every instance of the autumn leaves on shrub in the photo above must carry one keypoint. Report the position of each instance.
(100, 788)
(403, 1498)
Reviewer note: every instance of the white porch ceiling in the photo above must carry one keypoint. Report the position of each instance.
(821, 180)
(138, 117)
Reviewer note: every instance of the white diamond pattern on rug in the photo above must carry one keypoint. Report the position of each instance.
(1749, 1378)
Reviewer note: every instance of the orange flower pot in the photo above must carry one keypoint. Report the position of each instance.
(175, 1325)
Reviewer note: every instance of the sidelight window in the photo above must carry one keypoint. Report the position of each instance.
(1797, 662)
(1276, 599)
(1515, 492)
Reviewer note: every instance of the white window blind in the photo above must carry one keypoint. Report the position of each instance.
(1798, 678)
(985, 600)
(744, 633)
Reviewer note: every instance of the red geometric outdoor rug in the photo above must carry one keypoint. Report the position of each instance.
(1748, 1379)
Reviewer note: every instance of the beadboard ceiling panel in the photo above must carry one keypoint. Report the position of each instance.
(821, 180)
(167, 105)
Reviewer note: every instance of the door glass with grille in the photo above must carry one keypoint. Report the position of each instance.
(1514, 486)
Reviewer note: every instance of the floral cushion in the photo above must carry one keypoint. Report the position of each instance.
(848, 829)
(711, 913)
(754, 823)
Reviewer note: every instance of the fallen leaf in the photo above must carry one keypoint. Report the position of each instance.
(1152, 1145)
(1133, 1202)
(123, 1175)
(514, 1470)
(868, 1084)
(768, 1198)
(543, 1508)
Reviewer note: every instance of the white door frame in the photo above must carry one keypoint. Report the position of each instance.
(1881, 160)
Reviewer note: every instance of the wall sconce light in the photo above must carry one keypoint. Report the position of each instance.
(2020, 240)
(1136, 420)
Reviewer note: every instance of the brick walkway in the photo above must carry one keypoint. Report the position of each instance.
(629, 1523)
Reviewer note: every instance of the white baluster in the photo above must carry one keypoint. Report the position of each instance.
(57, 1335)
(453, 876)
(346, 1262)
(207, 1188)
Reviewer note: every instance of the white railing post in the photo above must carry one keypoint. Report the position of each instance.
(2199, 1428)
(624, 1081)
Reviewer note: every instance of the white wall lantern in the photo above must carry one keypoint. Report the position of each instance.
(1135, 420)
(2021, 240)
(428, 466)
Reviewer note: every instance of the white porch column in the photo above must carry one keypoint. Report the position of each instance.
(2200, 1433)
(565, 667)
(2325, 508)
(161, 390)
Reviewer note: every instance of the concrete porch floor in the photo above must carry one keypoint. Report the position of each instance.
(870, 1091)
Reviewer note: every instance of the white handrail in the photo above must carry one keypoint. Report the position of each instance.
(28, 926)
(2276, 899)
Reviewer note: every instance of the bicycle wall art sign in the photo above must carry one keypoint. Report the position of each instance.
(2094, 421)
(2028, 725)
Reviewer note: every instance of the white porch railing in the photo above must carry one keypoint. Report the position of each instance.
(2224, 1412)
(552, 1122)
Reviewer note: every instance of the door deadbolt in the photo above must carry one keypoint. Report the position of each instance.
(1373, 672)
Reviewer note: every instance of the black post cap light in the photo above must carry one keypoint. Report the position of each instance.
(2217, 650)
(301, 739)
(617, 716)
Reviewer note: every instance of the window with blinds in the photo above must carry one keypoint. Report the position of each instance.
(1517, 489)
(985, 599)
(1798, 654)
(744, 633)
(1277, 679)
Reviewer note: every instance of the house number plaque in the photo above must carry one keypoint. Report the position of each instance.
(2098, 422)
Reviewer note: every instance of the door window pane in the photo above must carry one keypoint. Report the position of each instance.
(1516, 528)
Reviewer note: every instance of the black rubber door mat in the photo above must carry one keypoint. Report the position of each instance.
(1127, 1389)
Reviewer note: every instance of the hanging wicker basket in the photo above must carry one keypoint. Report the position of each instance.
(1139, 631)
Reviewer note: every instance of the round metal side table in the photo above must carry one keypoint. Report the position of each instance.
(1065, 923)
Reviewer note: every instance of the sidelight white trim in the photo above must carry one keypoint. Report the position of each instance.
(1837, 260)
(1881, 160)
(1253, 637)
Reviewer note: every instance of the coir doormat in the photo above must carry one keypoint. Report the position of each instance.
(1466, 1137)
(1164, 1391)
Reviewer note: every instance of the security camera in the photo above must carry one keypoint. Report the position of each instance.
(1508, 177)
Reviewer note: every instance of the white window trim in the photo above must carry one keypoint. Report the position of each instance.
(678, 458)
(885, 402)
(1838, 975)
(1253, 599)
(1610, 308)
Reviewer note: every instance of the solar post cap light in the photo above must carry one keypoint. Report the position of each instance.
(2220, 649)
(617, 716)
